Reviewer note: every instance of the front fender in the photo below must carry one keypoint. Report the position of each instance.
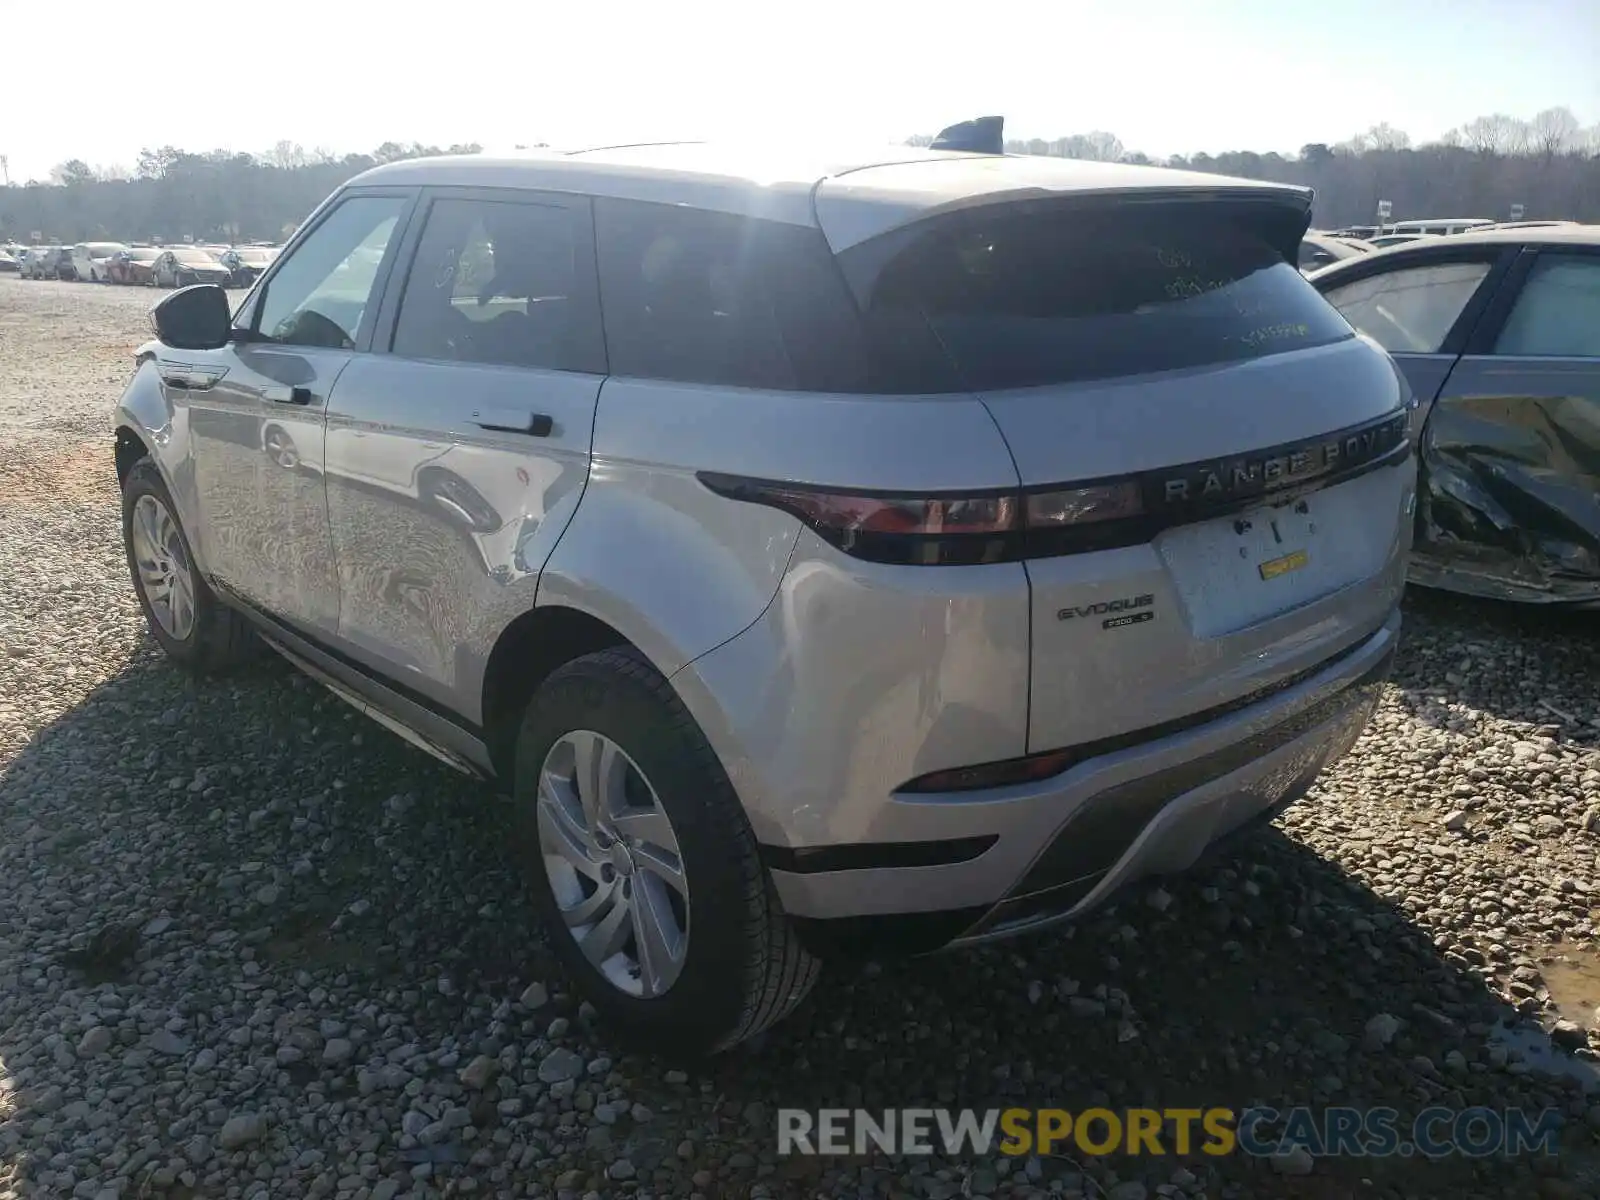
(674, 568)
(147, 412)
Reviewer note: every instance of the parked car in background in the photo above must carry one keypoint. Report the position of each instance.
(9, 263)
(1498, 332)
(1530, 224)
(1385, 240)
(179, 266)
(1437, 226)
(89, 260)
(245, 263)
(57, 263)
(793, 671)
(134, 266)
(32, 260)
(1319, 249)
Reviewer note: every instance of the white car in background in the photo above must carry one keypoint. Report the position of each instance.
(89, 259)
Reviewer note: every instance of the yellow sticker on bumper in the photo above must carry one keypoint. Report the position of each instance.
(1282, 566)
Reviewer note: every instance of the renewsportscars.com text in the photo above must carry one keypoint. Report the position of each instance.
(1338, 1132)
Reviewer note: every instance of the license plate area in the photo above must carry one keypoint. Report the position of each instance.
(1233, 572)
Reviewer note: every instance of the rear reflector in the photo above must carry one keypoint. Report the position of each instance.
(992, 775)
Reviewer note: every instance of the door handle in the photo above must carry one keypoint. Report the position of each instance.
(536, 425)
(288, 395)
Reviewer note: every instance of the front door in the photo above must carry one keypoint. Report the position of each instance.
(257, 409)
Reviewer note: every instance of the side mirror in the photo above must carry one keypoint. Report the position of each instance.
(193, 318)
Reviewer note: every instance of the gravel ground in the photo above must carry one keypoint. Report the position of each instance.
(251, 945)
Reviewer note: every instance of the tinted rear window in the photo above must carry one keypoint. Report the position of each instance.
(1018, 297)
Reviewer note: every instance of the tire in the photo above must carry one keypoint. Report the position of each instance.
(743, 967)
(215, 637)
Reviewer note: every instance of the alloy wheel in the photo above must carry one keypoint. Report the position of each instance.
(165, 576)
(612, 858)
(282, 450)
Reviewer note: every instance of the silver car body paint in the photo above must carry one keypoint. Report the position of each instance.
(823, 682)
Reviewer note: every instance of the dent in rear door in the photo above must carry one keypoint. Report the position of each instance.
(1511, 456)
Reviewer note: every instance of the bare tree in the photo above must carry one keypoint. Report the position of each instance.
(1494, 134)
(1384, 136)
(154, 164)
(287, 155)
(1555, 131)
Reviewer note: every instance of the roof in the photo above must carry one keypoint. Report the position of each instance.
(1554, 235)
(852, 196)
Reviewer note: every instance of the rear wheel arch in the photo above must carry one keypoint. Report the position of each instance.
(528, 650)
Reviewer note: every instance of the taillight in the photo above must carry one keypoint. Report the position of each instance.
(894, 528)
(1005, 525)
(983, 527)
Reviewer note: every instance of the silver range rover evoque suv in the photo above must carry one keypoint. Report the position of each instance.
(829, 555)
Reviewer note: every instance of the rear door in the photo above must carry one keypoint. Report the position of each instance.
(1512, 452)
(456, 455)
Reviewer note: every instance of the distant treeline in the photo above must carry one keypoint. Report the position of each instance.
(217, 196)
(1550, 165)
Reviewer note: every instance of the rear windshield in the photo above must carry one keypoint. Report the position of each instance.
(1018, 298)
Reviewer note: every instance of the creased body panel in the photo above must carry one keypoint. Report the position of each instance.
(441, 526)
(1510, 505)
(161, 421)
(857, 678)
(679, 569)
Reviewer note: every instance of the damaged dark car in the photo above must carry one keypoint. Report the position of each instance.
(1499, 335)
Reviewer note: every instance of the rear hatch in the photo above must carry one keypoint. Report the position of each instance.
(1216, 468)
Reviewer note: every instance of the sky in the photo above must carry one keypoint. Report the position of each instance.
(1166, 76)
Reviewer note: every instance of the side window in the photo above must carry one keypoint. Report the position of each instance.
(1410, 310)
(502, 282)
(685, 298)
(1558, 312)
(322, 288)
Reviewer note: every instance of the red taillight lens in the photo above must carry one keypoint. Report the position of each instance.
(985, 527)
(928, 531)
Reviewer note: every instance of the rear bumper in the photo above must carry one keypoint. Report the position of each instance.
(1015, 859)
